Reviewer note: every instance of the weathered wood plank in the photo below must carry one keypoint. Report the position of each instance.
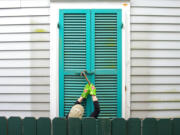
(149, 126)
(14, 126)
(3, 126)
(134, 126)
(59, 126)
(119, 127)
(43, 126)
(29, 126)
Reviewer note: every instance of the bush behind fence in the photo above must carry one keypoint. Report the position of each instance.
(88, 126)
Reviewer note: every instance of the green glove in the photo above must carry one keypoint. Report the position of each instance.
(86, 91)
(92, 90)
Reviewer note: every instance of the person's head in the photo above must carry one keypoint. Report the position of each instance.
(76, 111)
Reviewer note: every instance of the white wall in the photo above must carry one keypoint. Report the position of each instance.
(155, 53)
(24, 58)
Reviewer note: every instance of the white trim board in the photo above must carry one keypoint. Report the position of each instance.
(54, 50)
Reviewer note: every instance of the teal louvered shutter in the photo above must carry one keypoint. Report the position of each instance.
(94, 45)
(106, 60)
(74, 56)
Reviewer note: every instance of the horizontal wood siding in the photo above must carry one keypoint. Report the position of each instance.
(155, 53)
(24, 58)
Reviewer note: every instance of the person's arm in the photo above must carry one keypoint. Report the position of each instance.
(96, 107)
(80, 99)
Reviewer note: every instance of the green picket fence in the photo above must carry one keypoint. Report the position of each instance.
(88, 126)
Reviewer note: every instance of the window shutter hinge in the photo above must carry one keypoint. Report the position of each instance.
(58, 25)
(122, 25)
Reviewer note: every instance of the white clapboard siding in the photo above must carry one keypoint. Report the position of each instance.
(155, 49)
(156, 97)
(24, 29)
(159, 3)
(24, 113)
(6, 46)
(155, 36)
(25, 72)
(24, 106)
(24, 58)
(136, 79)
(23, 63)
(155, 53)
(24, 54)
(24, 12)
(24, 20)
(155, 62)
(155, 106)
(157, 114)
(10, 3)
(34, 98)
(22, 89)
(135, 19)
(153, 88)
(24, 37)
(154, 45)
(35, 3)
(24, 80)
(149, 71)
(155, 11)
(156, 109)
(154, 28)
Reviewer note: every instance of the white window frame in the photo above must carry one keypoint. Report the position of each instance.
(54, 50)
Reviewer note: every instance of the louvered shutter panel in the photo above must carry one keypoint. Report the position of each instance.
(74, 56)
(107, 59)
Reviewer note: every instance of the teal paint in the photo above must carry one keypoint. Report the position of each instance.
(67, 52)
(88, 42)
(110, 70)
(119, 63)
(92, 62)
(101, 15)
(61, 63)
(89, 103)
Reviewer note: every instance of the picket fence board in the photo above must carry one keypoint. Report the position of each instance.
(29, 126)
(3, 127)
(43, 126)
(74, 126)
(134, 126)
(88, 126)
(104, 127)
(176, 129)
(164, 127)
(149, 126)
(59, 126)
(14, 126)
(119, 127)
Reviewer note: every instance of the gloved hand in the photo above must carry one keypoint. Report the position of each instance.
(92, 89)
(86, 91)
